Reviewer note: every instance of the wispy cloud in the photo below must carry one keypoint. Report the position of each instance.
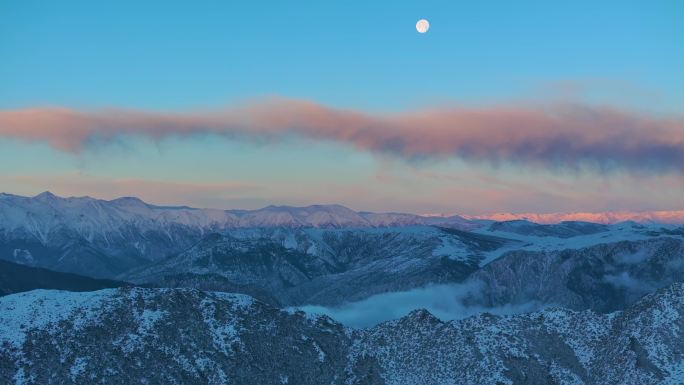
(555, 136)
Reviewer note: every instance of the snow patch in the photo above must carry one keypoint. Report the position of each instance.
(43, 309)
(77, 368)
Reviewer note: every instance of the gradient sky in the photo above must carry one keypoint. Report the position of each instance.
(357, 56)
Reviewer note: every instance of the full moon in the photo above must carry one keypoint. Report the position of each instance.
(422, 26)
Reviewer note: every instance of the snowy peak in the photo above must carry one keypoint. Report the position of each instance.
(129, 202)
(129, 219)
(334, 216)
(48, 211)
(45, 196)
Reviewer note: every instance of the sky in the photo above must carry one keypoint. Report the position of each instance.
(525, 106)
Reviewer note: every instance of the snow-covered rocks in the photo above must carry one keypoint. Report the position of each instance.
(190, 336)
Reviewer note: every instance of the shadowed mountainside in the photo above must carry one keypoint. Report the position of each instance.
(15, 278)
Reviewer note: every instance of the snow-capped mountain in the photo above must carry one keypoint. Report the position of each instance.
(96, 218)
(105, 238)
(190, 336)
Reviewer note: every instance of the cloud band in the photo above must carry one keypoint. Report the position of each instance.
(565, 135)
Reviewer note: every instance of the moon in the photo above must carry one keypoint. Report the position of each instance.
(422, 26)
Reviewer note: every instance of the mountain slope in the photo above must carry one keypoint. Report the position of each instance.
(324, 266)
(162, 336)
(604, 277)
(642, 345)
(334, 267)
(559, 230)
(15, 278)
(189, 336)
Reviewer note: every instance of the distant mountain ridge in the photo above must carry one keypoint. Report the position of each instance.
(46, 209)
(103, 239)
(607, 217)
(319, 216)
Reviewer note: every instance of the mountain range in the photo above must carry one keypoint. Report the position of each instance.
(104, 238)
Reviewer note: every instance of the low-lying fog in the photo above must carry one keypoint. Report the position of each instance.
(446, 302)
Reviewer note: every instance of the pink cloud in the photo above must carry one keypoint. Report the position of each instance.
(567, 135)
(674, 217)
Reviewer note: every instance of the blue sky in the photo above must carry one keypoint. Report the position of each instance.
(366, 56)
(180, 54)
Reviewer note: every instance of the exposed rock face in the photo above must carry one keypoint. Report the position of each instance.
(162, 336)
